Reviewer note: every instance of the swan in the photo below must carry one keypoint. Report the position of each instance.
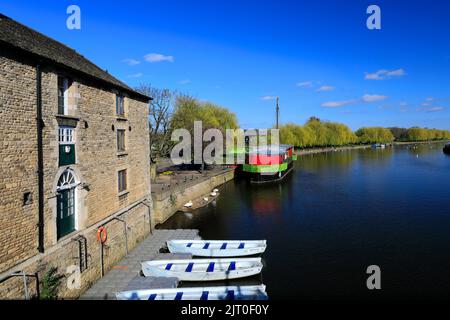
(188, 204)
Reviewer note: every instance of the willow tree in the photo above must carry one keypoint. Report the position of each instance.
(188, 110)
(424, 134)
(374, 135)
(317, 133)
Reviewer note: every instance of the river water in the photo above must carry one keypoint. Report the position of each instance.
(336, 214)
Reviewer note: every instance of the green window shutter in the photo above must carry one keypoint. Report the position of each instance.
(66, 154)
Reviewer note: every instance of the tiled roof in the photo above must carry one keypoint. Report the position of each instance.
(19, 36)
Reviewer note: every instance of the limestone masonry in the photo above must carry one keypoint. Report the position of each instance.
(94, 170)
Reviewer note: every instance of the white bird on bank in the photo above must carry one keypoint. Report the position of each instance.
(188, 204)
(206, 199)
(216, 190)
(213, 194)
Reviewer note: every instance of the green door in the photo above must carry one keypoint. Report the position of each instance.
(66, 212)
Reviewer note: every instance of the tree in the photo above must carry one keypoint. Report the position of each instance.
(160, 111)
(188, 110)
(374, 135)
(289, 134)
(400, 134)
(316, 133)
(424, 134)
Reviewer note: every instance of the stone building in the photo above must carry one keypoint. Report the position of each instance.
(74, 156)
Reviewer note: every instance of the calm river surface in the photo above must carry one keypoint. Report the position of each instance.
(338, 213)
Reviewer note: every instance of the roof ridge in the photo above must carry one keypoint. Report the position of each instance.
(31, 40)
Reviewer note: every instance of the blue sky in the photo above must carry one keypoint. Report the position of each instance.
(317, 56)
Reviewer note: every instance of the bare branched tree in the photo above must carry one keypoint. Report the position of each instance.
(160, 113)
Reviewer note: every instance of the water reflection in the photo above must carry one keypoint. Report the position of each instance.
(336, 214)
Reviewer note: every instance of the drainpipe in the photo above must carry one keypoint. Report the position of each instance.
(40, 155)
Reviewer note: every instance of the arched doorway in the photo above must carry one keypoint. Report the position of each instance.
(66, 208)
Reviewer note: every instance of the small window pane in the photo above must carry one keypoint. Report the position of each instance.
(120, 140)
(66, 135)
(119, 105)
(122, 178)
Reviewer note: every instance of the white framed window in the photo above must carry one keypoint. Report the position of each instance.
(66, 181)
(66, 135)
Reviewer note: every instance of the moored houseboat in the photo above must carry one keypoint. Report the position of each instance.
(269, 163)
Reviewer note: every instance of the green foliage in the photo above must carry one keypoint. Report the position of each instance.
(419, 134)
(316, 133)
(424, 134)
(50, 284)
(188, 109)
(374, 135)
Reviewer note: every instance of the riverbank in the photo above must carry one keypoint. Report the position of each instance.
(365, 146)
(170, 193)
(420, 142)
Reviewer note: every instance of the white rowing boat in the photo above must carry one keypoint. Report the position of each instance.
(203, 269)
(205, 293)
(217, 248)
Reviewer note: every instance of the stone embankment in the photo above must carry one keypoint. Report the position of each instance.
(171, 192)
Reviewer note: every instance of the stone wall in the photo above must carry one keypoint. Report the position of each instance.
(66, 255)
(18, 162)
(92, 112)
(167, 203)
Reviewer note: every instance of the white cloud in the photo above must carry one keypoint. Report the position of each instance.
(337, 104)
(396, 73)
(366, 98)
(157, 57)
(268, 98)
(325, 88)
(435, 109)
(373, 97)
(429, 99)
(384, 74)
(403, 104)
(136, 75)
(131, 62)
(186, 81)
(307, 84)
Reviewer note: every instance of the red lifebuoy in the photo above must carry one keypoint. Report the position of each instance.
(102, 235)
